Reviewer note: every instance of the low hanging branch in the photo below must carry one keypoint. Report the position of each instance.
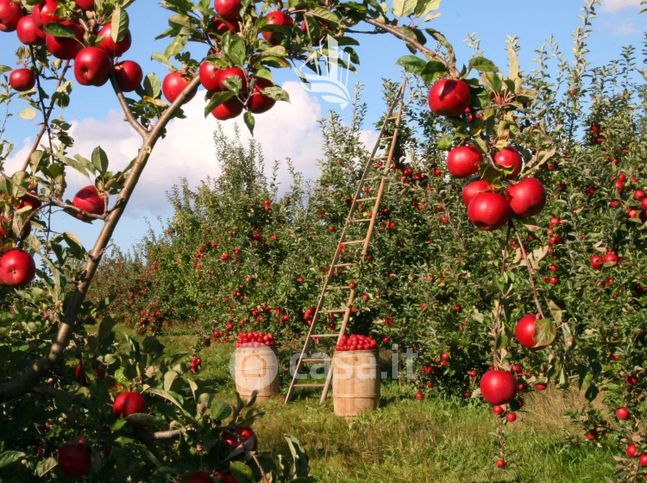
(32, 374)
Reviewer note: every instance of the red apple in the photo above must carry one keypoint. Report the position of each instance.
(501, 463)
(227, 9)
(623, 413)
(488, 211)
(611, 257)
(29, 32)
(128, 75)
(642, 460)
(509, 158)
(498, 387)
(449, 97)
(228, 109)
(46, 12)
(173, 85)
(464, 161)
(74, 459)
(232, 73)
(85, 4)
(511, 417)
(92, 66)
(115, 49)
(221, 25)
(258, 102)
(632, 450)
(209, 76)
(90, 200)
(63, 47)
(17, 268)
(277, 18)
(471, 189)
(128, 403)
(525, 330)
(527, 197)
(198, 477)
(597, 262)
(22, 79)
(10, 14)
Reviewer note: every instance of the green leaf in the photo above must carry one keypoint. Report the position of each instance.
(100, 160)
(241, 472)
(482, 64)
(58, 30)
(119, 24)
(404, 8)
(152, 85)
(169, 378)
(445, 142)
(45, 466)
(425, 7)
(412, 63)
(220, 410)
(250, 121)
(545, 332)
(216, 99)
(76, 247)
(169, 397)
(324, 14)
(9, 457)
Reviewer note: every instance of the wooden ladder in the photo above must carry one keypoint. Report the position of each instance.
(392, 119)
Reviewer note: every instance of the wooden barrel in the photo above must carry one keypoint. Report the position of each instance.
(356, 382)
(256, 368)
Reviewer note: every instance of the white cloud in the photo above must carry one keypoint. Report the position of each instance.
(616, 5)
(625, 28)
(288, 130)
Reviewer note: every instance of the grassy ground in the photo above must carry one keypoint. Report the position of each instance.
(434, 440)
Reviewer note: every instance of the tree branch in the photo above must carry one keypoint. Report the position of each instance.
(531, 278)
(431, 55)
(141, 130)
(47, 112)
(32, 374)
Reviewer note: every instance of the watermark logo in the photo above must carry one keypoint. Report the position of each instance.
(330, 81)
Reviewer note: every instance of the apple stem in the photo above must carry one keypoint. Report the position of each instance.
(531, 278)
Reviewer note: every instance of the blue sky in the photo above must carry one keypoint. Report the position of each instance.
(616, 25)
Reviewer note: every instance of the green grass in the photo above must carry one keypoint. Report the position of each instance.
(434, 440)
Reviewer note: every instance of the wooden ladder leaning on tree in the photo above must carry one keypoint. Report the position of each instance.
(375, 170)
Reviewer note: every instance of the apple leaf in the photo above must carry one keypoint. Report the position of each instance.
(216, 99)
(425, 7)
(45, 466)
(119, 24)
(482, 64)
(445, 142)
(241, 472)
(100, 160)
(9, 457)
(545, 332)
(152, 85)
(220, 410)
(324, 14)
(513, 59)
(433, 70)
(404, 8)
(250, 121)
(58, 30)
(169, 378)
(412, 63)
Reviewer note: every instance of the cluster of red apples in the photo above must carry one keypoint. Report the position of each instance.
(356, 342)
(488, 206)
(255, 339)
(94, 50)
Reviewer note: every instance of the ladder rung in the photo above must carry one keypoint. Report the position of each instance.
(324, 335)
(342, 265)
(360, 220)
(338, 287)
(353, 242)
(315, 359)
(373, 178)
(336, 311)
(361, 200)
(309, 385)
